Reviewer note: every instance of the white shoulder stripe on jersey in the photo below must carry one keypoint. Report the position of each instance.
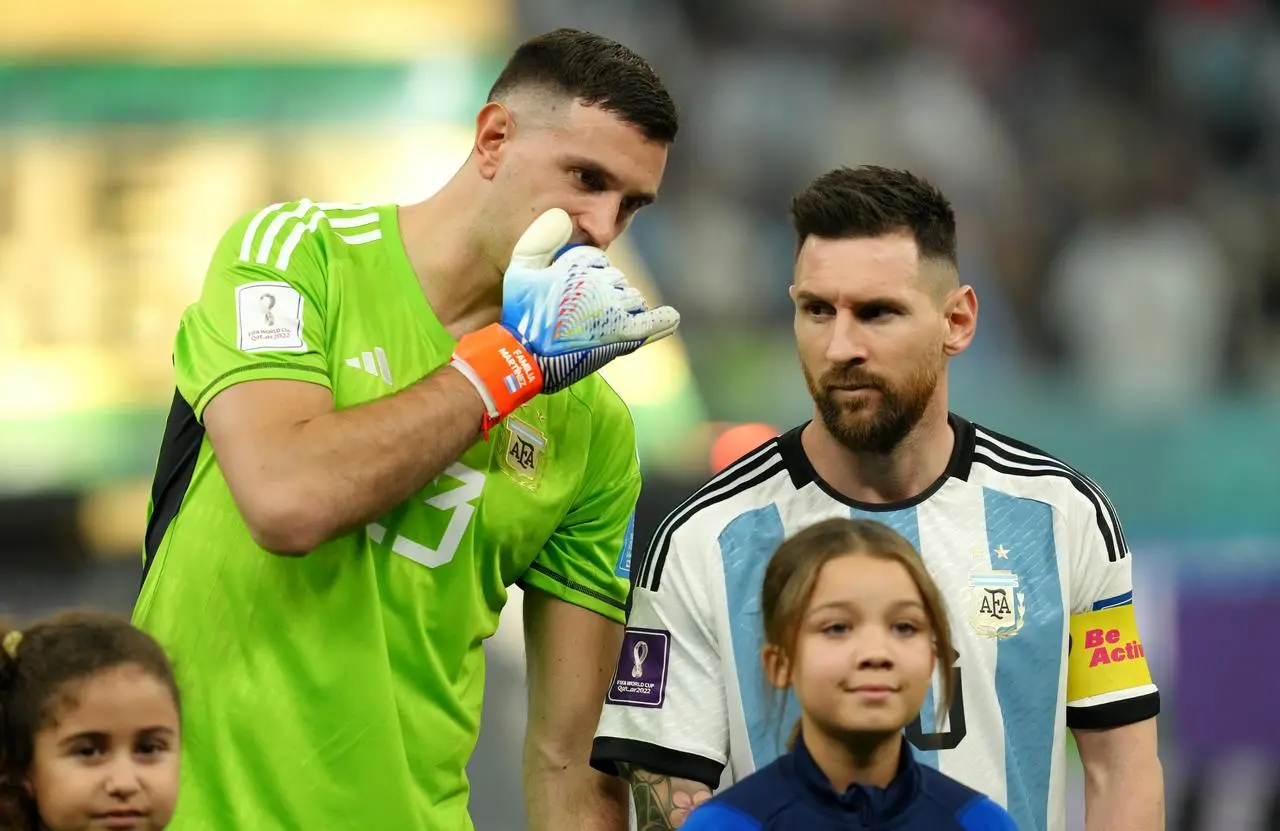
(1003, 443)
(251, 233)
(1016, 462)
(353, 221)
(724, 478)
(277, 223)
(732, 472)
(1106, 524)
(1107, 513)
(298, 223)
(299, 228)
(754, 469)
(359, 239)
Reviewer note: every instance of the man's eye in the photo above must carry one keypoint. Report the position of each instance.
(875, 312)
(589, 179)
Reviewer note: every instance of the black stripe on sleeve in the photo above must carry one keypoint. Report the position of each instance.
(1036, 453)
(253, 368)
(708, 494)
(741, 487)
(1108, 522)
(1114, 714)
(607, 753)
(578, 587)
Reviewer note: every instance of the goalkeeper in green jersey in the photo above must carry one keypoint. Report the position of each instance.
(384, 417)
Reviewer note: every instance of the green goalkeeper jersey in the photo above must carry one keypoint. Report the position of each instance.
(342, 690)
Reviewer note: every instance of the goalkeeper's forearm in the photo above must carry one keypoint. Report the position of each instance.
(338, 471)
(574, 798)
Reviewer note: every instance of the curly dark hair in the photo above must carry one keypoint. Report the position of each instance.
(35, 681)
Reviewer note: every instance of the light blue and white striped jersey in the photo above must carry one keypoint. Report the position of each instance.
(1034, 569)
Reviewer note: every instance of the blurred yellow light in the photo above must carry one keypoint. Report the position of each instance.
(651, 376)
(113, 520)
(45, 384)
(252, 29)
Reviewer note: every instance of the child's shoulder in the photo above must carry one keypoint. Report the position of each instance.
(972, 810)
(748, 803)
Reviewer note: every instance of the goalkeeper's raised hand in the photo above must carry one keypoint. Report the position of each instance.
(563, 318)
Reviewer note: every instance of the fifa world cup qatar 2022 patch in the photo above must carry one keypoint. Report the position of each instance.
(269, 317)
(641, 677)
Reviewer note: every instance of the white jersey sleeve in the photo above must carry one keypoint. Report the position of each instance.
(666, 710)
(1108, 681)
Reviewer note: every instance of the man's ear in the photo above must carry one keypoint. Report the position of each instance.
(961, 320)
(495, 125)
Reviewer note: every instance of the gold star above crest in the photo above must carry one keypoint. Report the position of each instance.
(1002, 553)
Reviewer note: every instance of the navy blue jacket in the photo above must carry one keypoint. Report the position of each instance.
(794, 794)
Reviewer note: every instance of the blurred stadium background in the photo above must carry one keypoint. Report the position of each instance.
(1115, 165)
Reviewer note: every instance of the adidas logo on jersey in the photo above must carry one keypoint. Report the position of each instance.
(374, 363)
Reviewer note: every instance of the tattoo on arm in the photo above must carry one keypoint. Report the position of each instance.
(662, 802)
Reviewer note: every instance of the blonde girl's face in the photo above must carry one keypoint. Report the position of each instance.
(865, 653)
(109, 759)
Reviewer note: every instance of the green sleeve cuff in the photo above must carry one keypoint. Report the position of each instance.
(540, 577)
(273, 370)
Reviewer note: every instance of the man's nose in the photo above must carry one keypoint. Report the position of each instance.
(601, 223)
(846, 345)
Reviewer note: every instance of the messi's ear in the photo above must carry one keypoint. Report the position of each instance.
(777, 668)
(961, 322)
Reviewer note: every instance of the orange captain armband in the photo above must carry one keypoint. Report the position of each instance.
(502, 370)
(1106, 654)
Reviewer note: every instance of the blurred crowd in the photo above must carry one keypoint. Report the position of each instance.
(1117, 195)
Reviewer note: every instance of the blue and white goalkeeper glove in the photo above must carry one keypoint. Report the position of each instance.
(563, 318)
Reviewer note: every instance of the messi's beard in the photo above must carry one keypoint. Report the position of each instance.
(878, 422)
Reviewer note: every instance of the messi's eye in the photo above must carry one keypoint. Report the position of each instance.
(874, 312)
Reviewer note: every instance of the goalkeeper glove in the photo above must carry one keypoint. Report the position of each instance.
(563, 318)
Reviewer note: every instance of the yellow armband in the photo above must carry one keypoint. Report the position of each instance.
(1106, 654)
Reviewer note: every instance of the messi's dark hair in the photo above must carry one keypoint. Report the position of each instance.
(871, 201)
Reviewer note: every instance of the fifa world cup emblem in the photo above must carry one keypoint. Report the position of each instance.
(638, 653)
(268, 302)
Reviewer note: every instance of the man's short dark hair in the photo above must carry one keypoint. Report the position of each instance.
(596, 71)
(872, 201)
